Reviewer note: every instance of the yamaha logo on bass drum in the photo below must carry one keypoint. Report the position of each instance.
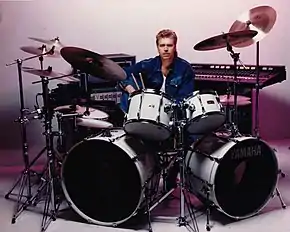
(245, 152)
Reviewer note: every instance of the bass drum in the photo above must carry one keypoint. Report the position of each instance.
(104, 176)
(241, 174)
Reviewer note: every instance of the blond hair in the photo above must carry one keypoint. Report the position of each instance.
(166, 33)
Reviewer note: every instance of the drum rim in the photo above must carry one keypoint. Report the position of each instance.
(73, 205)
(189, 122)
(149, 121)
(266, 200)
(151, 91)
(198, 92)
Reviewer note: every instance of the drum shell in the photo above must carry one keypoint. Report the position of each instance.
(206, 168)
(205, 113)
(143, 160)
(147, 116)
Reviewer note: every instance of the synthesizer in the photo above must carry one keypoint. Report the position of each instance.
(246, 75)
(215, 76)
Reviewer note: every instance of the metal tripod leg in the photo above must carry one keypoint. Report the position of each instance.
(25, 182)
(280, 198)
(25, 172)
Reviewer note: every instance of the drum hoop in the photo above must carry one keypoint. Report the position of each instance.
(149, 121)
(198, 92)
(76, 208)
(151, 91)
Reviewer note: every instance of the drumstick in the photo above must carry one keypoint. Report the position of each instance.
(143, 86)
(137, 86)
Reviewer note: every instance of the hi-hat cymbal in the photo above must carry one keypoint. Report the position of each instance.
(93, 63)
(40, 50)
(51, 42)
(220, 41)
(49, 73)
(260, 19)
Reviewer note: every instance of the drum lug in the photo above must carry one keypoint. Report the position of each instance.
(191, 107)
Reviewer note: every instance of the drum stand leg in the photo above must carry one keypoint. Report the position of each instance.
(148, 209)
(280, 198)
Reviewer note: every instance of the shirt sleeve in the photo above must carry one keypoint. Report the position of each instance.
(131, 71)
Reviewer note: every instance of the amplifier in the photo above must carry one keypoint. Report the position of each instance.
(108, 91)
(106, 94)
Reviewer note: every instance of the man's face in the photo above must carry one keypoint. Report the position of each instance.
(166, 48)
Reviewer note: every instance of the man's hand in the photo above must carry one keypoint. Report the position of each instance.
(130, 89)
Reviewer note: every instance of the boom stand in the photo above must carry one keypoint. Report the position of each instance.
(24, 180)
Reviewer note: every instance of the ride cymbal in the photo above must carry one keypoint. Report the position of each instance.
(260, 19)
(220, 41)
(40, 50)
(93, 63)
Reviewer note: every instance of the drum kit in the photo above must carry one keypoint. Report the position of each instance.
(114, 173)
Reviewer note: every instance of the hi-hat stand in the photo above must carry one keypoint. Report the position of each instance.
(48, 188)
(24, 180)
(180, 146)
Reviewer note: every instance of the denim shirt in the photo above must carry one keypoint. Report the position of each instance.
(179, 81)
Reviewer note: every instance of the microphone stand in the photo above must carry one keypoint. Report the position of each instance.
(25, 178)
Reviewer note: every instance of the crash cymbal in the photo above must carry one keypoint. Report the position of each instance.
(260, 19)
(220, 41)
(49, 73)
(51, 42)
(93, 63)
(40, 50)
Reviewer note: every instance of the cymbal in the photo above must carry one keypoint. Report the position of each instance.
(241, 100)
(40, 50)
(94, 113)
(260, 19)
(51, 42)
(49, 73)
(93, 63)
(220, 41)
(93, 123)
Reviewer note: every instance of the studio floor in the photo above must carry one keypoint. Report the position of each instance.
(271, 218)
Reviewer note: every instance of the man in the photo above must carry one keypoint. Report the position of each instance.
(166, 72)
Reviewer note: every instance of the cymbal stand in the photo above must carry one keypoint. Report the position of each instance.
(233, 122)
(25, 178)
(85, 82)
(180, 146)
(181, 149)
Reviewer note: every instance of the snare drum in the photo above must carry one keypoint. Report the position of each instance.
(147, 116)
(240, 174)
(204, 113)
(104, 177)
